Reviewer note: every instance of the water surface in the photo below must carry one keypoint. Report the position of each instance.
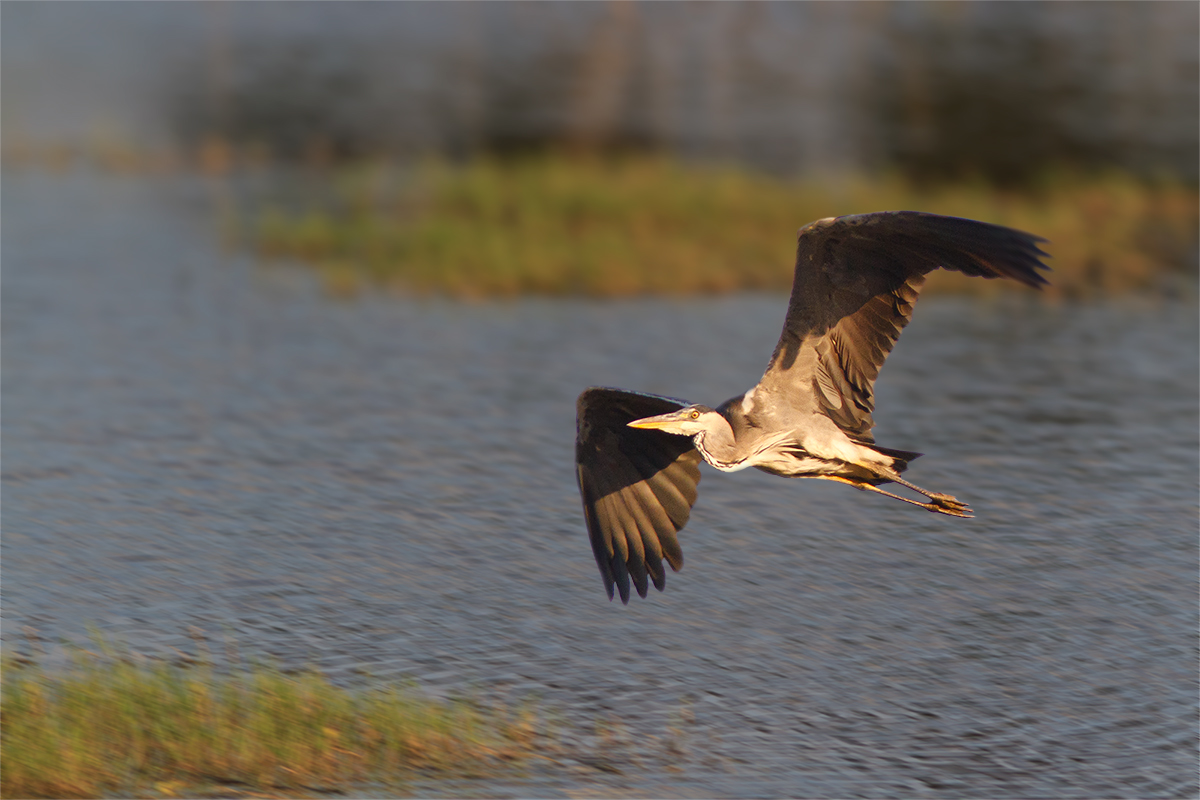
(383, 489)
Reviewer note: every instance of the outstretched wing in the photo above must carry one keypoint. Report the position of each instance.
(638, 486)
(857, 279)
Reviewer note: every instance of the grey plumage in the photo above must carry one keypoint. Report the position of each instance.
(856, 281)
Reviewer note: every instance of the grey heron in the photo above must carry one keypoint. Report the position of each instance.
(856, 280)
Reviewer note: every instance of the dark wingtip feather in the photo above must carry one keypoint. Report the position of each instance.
(1017, 255)
(637, 571)
(621, 576)
(659, 578)
(991, 250)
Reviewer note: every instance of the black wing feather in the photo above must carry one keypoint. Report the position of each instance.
(638, 487)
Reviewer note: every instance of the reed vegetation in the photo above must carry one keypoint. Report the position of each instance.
(618, 226)
(109, 727)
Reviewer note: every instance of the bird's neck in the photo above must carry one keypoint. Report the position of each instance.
(718, 446)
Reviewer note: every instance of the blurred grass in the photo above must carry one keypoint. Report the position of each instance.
(611, 227)
(110, 727)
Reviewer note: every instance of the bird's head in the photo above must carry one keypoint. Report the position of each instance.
(687, 421)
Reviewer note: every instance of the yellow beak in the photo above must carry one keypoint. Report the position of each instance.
(653, 423)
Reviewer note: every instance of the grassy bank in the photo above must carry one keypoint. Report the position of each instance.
(114, 728)
(556, 225)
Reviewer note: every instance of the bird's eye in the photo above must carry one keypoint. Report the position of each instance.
(695, 414)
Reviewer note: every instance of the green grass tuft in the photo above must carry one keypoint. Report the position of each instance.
(555, 225)
(110, 727)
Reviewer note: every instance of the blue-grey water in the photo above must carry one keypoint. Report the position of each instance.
(196, 446)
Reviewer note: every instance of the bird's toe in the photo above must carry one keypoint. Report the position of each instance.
(947, 504)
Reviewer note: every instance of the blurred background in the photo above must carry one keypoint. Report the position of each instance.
(1077, 121)
(297, 300)
(939, 90)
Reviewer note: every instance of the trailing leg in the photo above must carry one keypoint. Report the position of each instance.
(938, 503)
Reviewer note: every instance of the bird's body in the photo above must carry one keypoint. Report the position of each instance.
(856, 281)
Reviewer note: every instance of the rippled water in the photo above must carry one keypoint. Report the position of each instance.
(385, 488)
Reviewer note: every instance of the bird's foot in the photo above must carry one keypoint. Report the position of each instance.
(946, 504)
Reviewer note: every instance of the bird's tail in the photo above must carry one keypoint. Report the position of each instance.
(901, 457)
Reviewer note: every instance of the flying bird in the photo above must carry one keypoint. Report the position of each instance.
(637, 456)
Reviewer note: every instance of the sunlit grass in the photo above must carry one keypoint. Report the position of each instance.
(109, 727)
(555, 225)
